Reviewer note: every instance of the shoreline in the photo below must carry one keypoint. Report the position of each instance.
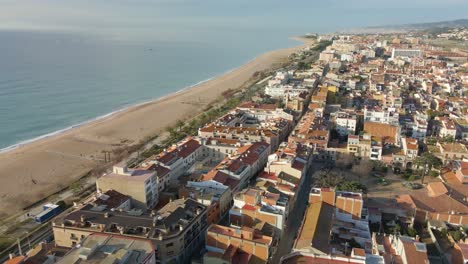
(33, 170)
(124, 108)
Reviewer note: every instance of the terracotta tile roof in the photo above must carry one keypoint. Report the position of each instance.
(316, 227)
(181, 151)
(251, 105)
(435, 189)
(412, 253)
(385, 131)
(305, 259)
(249, 207)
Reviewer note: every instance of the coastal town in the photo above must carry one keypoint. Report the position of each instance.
(353, 152)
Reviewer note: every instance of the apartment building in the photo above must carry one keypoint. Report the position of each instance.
(408, 53)
(140, 185)
(175, 231)
(332, 219)
(264, 111)
(179, 157)
(99, 248)
(237, 169)
(447, 128)
(217, 197)
(346, 123)
(253, 207)
(381, 115)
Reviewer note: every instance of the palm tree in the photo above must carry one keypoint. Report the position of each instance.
(428, 161)
(172, 132)
(179, 124)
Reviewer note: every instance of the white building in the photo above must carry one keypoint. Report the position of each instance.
(327, 55)
(346, 123)
(408, 53)
(381, 115)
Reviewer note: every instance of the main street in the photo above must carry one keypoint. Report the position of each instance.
(295, 216)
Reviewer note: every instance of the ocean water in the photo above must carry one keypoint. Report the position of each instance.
(51, 81)
(66, 62)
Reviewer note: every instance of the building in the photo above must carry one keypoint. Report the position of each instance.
(408, 53)
(254, 208)
(460, 253)
(346, 123)
(179, 158)
(408, 250)
(447, 128)
(264, 112)
(365, 146)
(217, 197)
(141, 185)
(237, 169)
(223, 242)
(101, 248)
(451, 152)
(332, 220)
(175, 231)
(381, 115)
(409, 152)
(327, 56)
(462, 172)
(462, 128)
(389, 134)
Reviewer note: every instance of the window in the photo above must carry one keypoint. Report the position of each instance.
(169, 245)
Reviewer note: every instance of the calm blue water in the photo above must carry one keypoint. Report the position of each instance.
(51, 81)
(65, 62)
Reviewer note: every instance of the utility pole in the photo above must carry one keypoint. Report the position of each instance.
(19, 247)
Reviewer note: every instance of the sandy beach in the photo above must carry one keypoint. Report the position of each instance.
(38, 169)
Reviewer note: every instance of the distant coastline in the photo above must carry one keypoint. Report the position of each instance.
(109, 115)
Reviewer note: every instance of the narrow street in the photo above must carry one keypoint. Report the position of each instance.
(294, 221)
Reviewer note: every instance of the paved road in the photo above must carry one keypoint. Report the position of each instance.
(295, 217)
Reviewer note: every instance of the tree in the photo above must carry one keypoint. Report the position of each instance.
(351, 186)
(328, 179)
(345, 161)
(411, 232)
(427, 161)
(363, 169)
(172, 132)
(179, 125)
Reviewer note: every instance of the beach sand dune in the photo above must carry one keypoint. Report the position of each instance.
(38, 169)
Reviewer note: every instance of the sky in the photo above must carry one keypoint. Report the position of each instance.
(171, 18)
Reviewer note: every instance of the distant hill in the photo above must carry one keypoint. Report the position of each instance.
(429, 25)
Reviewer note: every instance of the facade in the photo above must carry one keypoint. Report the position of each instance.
(140, 185)
(410, 53)
(346, 123)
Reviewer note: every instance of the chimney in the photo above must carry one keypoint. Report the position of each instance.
(106, 215)
(83, 218)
